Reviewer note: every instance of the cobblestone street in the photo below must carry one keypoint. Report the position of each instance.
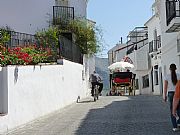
(131, 115)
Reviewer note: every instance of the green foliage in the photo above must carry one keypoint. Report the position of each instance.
(47, 38)
(88, 36)
(4, 36)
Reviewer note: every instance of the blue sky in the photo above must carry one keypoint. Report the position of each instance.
(117, 17)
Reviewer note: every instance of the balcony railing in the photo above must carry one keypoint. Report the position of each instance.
(19, 39)
(67, 49)
(137, 45)
(62, 15)
(154, 45)
(70, 50)
(172, 10)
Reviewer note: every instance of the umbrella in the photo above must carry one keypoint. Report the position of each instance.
(120, 66)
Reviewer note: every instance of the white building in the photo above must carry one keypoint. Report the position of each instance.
(168, 12)
(30, 16)
(152, 61)
(30, 92)
(138, 53)
(154, 39)
(116, 53)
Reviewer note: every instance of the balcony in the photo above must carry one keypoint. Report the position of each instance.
(62, 15)
(154, 46)
(173, 15)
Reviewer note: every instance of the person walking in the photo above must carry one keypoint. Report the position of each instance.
(176, 101)
(170, 81)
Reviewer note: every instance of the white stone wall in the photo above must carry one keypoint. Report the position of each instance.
(26, 16)
(35, 91)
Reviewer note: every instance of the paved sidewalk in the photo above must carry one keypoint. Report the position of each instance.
(121, 115)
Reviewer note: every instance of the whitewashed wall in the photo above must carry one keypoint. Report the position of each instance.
(89, 66)
(121, 53)
(80, 7)
(33, 15)
(114, 56)
(154, 24)
(26, 16)
(34, 91)
(169, 42)
(142, 68)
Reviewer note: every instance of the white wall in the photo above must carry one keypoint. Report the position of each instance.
(89, 67)
(25, 16)
(141, 58)
(114, 56)
(3, 92)
(169, 41)
(153, 24)
(34, 91)
(80, 7)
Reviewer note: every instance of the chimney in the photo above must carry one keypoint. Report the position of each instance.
(121, 40)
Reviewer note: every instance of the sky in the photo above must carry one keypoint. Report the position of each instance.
(117, 17)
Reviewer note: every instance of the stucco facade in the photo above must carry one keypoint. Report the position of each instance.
(31, 16)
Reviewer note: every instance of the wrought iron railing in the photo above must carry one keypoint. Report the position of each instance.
(18, 39)
(172, 10)
(62, 15)
(70, 50)
(154, 45)
(137, 45)
(130, 50)
(67, 49)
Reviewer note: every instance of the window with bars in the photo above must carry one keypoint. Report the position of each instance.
(145, 80)
(136, 84)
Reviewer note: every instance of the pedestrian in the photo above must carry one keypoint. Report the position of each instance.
(170, 81)
(176, 101)
(95, 79)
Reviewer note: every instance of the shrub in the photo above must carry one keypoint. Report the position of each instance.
(23, 55)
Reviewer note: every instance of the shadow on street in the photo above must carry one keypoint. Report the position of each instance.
(139, 115)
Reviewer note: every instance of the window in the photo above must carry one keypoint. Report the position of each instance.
(136, 84)
(159, 41)
(156, 75)
(178, 45)
(145, 80)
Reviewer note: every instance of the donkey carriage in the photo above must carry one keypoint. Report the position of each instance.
(122, 81)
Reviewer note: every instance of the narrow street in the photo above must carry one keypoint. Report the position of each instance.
(133, 115)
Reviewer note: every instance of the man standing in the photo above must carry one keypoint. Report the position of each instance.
(95, 79)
